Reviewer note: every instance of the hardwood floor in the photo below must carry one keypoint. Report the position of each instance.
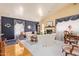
(16, 50)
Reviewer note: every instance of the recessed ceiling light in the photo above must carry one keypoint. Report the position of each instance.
(19, 11)
(40, 12)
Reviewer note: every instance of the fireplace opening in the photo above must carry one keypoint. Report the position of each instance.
(49, 31)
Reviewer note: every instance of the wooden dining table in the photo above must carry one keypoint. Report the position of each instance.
(72, 38)
(76, 37)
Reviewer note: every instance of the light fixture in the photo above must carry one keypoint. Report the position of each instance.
(40, 12)
(29, 27)
(7, 25)
(19, 10)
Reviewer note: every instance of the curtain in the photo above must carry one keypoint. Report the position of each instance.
(18, 27)
(62, 26)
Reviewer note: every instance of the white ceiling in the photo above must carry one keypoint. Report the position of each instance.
(28, 11)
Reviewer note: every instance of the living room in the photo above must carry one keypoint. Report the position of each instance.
(39, 29)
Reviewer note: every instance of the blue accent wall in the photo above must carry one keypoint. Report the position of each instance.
(32, 24)
(9, 32)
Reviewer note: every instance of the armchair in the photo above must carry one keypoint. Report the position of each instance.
(72, 50)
